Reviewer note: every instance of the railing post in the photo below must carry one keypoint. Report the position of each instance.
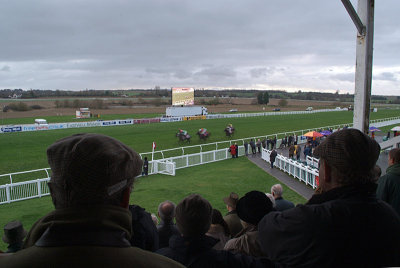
(8, 193)
(39, 189)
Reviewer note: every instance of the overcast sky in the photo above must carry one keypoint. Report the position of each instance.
(262, 44)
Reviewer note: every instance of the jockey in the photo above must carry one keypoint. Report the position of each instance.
(183, 132)
(203, 131)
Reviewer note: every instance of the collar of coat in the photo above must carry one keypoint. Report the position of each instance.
(367, 190)
(99, 225)
(394, 169)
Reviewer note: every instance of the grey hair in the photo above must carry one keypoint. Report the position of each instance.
(166, 210)
(277, 190)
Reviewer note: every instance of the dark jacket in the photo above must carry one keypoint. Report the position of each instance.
(83, 237)
(145, 235)
(165, 231)
(344, 227)
(389, 187)
(272, 156)
(282, 204)
(198, 252)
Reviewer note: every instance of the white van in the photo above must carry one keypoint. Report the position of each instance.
(41, 122)
(309, 109)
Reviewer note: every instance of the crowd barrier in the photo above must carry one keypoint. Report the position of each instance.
(301, 171)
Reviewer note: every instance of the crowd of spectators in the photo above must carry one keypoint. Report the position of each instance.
(94, 224)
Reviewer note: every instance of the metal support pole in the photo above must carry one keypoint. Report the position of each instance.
(364, 52)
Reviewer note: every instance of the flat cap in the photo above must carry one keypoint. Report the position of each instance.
(349, 151)
(92, 166)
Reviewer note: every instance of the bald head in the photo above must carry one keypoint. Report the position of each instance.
(166, 210)
(276, 190)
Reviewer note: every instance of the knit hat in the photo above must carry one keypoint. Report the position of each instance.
(231, 200)
(253, 207)
(91, 167)
(349, 151)
(193, 216)
(13, 232)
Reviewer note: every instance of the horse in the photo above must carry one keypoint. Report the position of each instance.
(204, 136)
(183, 138)
(229, 131)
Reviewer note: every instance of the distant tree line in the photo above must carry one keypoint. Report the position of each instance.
(166, 93)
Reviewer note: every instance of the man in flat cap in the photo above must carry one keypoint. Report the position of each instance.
(345, 225)
(92, 178)
(231, 218)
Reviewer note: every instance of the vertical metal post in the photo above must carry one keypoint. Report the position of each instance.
(363, 77)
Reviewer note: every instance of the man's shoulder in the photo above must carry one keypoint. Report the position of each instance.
(86, 256)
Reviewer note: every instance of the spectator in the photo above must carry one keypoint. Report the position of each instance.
(298, 152)
(280, 203)
(291, 151)
(307, 151)
(251, 209)
(253, 146)
(389, 184)
(232, 150)
(345, 225)
(194, 248)
(145, 171)
(232, 218)
(218, 229)
(144, 233)
(166, 229)
(272, 157)
(246, 148)
(236, 150)
(14, 234)
(90, 186)
(259, 146)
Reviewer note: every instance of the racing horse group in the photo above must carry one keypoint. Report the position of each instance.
(203, 134)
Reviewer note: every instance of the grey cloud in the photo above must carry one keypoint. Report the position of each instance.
(112, 44)
(349, 77)
(5, 68)
(386, 76)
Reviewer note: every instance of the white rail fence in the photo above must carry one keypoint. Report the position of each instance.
(305, 173)
(17, 191)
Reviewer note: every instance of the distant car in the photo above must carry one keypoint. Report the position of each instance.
(338, 108)
(233, 110)
(309, 109)
(276, 109)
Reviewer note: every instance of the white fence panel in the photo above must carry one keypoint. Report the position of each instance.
(298, 170)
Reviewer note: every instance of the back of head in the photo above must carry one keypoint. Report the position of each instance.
(166, 210)
(276, 190)
(90, 169)
(253, 206)
(216, 218)
(193, 216)
(394, 154)
(351, 154)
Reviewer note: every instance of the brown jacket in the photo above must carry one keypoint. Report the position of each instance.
(95, 237)
(217, 231)
(234, 224)
(246, 242)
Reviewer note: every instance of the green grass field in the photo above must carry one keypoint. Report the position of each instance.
(214, 182)
(27, 150)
